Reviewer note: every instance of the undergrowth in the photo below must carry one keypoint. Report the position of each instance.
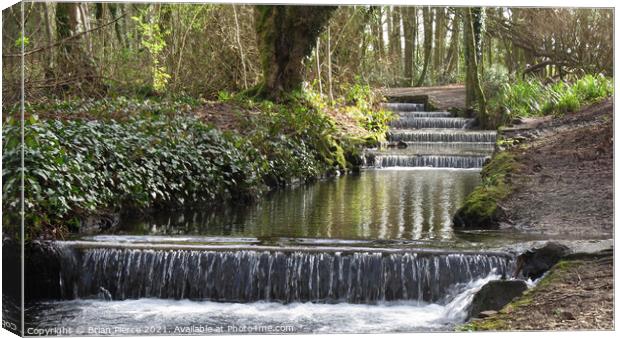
(88, 157)
(526, 98)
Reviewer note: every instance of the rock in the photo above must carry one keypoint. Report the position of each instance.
(567, 315)
(488, 313)
(495, 295)
(94, 224)
(401, 145)
(535, 262)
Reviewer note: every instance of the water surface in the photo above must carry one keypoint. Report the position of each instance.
(415, 204)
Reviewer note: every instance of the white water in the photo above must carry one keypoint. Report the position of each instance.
(160, 316)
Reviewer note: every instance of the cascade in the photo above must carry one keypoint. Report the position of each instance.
(282, 275)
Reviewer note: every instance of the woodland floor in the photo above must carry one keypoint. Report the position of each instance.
(564, 186)
(443, 97)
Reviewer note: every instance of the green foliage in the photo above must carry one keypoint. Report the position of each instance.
(153, 39)
(494, 77)
(77, 167)
(118, 108)
(362, 104)
(22, 39)
(298, 139)
(525, 98)
(223, 96)
(592, 88)
(92, 156)
(521, 98)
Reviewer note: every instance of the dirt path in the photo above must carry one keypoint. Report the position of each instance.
(564, 188)
(565, 184)
(443, 97)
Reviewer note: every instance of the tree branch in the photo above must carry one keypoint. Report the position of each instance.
(63, 41)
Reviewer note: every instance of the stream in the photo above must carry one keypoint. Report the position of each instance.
(372, 252)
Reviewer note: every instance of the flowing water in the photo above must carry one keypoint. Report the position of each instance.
(373, 252)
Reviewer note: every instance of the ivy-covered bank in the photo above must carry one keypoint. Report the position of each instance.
(90, 158)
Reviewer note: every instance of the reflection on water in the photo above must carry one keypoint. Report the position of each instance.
(377, 204)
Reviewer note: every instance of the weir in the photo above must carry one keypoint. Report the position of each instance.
(431, 139)
(417, 122)
(414, 114)
(403, 107)
(442, 135)
(320, 275)
(435, 161)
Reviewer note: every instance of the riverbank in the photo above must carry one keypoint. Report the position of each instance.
(564, 185)
(90, 160)
(553, 177)
(559, 185)
(575, 295)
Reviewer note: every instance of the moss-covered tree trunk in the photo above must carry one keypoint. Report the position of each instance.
(286, 35)
(473, 87)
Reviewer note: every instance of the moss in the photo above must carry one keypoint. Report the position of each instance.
(494, 324)
(481, 209)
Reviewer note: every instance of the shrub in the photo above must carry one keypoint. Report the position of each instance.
(494, 77)
(363, 104)
(77, 167)
(155, 157)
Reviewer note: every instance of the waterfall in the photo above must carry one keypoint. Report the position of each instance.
(414, 114)
(442, 135)
(398, 107)
(439, 148)
(322, 276)
(437, 161)
(431, 122)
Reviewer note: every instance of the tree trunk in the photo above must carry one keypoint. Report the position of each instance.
(395, 48)
(440, 37)
(118, 28)
(329, 64)
(473, 88)
(452, 58)
(73, 58)
(376, 30)
(317, 52)
(49, 67)
(408, 20)
(286, 35)
(240, 46)
(428, 42)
